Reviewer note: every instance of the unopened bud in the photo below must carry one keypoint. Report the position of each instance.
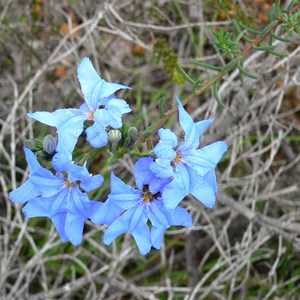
(114, 139)
(49, 144)
(132, 135)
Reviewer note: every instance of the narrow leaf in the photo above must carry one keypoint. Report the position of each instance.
(207, 66)
(216, 94)
(268, 27)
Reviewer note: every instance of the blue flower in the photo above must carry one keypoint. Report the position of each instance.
(192, 169)
(60, 197)
(100, 106)
(128, 209)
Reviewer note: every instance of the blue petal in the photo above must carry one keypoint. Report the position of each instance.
(157, 233)
(56, 118)
(118, 227)
(107, 213)
(80, 173)
(102, 117)
(69, 124)
(210, 177)
(122, 194)
(78, 203)
(129, 221)
(143, 239)
(205, 159)
(180, 217)
(192, 130)
(202, 190)
(167, 137)
(174, 192)
(38, 207)
(47, 183)
(91, 183)
(115, 109)
(158, 215)
(33, 163)
(162, 168)
(201, 126)
(61, 161)
(97, 135)
(59, 223)
(93, 87)
(142, 173)
(164, 151)
(24, 193)
(74, 228)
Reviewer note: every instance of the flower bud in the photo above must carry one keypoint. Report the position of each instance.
(49, 144)
(132, 135)
(114, 139)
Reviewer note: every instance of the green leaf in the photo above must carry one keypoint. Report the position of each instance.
(244, 72)
(216, 94)
(268, 27)
(207, 66)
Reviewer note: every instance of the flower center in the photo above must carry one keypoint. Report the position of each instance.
(178, 158)
(69, 184)
(148, 197)
(90, 115)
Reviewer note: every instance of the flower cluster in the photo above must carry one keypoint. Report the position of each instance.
(174, 170)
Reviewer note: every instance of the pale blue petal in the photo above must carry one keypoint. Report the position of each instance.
(97, 135)
(174, 192)
(122, 194)
(80, 173)
(47, 183)
(167, 137)
(59, 223)
(157, 236)
(202, 190)
(210, 177)
(115, 109)
(118, 227)
(205, 159)
(78, 202)
(162, 168)
(164, 151)
(201, 126)
(193, 131)
(143, 239)
(157, 214)
(129, 221)
(142, 173)
(180, 217)
(187, 124)
(107, 213)
(32, 161)
(93, 87)
(91, 183)
(88, 78)
(102, 117)
(69, 132)
(85, 109)
(136, 216)
(38, 207)
(56, 118)
(61, 161)
(74, 228)
(69, 124)
(158, 184)
(24, 193)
